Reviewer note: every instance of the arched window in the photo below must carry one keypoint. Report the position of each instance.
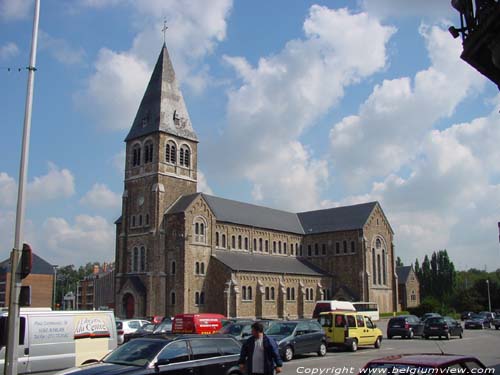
(309, 250)
(267, 294)
(240, 242)
(217, 239)
(272, 293)
(202, 268)
(255, 244)
(284, 248)
(224, 241)
(293, 294)
(202, 298)
(249, 293)
(135, 260)
(136, 155)
(185, 156)
(140, 220)
(172, 267)
(267, 246)
(288, 294)
(142, 266)
(199, 230)
(413, 295)
(233, 242)
(291, 249)
(337, 248)
(378, 243)
(172, 298)
(244, 293)
(379, 269)
(353, 247)
(197, 268)
(260, 244)
(148, 152)
(345, 247)
(171, 152)
(301, 250)
(133, 220)
(274, 247)
(374, 267)
(384, 265)
(147, 219)
(279, 247)
(197, 298)
(323, 249)
(316, 249)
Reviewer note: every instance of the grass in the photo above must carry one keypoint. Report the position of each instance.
(391, 314)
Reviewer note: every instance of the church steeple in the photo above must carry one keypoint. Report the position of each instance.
(162, 108)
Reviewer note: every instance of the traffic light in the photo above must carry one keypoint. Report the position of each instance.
(26, 261)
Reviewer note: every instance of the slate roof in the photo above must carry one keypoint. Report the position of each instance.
(40, 266)
(403, 274)
(311, 222)
(239, 261)
(162, 107)
(336, 219)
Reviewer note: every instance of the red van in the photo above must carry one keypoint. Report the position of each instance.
(204, 324)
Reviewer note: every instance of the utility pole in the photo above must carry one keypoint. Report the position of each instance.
(15, 277)
(489, 297)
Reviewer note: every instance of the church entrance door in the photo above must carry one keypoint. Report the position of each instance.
(129, 305)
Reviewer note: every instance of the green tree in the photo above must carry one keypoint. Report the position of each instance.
(399, 262)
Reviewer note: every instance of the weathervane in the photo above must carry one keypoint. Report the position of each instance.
(165, 28)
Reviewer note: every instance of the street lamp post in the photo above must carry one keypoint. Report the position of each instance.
(54, 287)
(489, 297)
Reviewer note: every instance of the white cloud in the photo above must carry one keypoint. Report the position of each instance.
(88, 238)
(15, 9)
(8, 51)
(57, 183)
(420, 8)
(203, 186)
(120, 78)
(8, 190)
(61, 50)
(101, 197)
(287, 93)
(393, 121)
(118, 162)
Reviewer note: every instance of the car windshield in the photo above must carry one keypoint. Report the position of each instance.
(435, 320)
(281, 329)
(391, 368)
(233, 329)
(164, 326)
(477, 316)
(148, 327)
(136, 352)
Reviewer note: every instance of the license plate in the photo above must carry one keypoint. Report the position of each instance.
(396, 326)
(434, 327)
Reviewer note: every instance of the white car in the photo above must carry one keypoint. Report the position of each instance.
(126, 327)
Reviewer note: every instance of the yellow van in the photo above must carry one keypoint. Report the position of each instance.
(350, 330)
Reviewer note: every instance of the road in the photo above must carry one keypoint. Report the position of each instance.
(484, 344)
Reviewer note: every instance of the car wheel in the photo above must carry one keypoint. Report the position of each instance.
(389, 337)
(354, 345)
(461, 335)
(426, 337)
(322, 350)
(378, 343)
(288, 354)
(448, 336)
(497, 327)
(410, 334)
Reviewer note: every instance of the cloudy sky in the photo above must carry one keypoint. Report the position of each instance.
(298, 105)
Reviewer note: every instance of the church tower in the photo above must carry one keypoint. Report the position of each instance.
(161, 166)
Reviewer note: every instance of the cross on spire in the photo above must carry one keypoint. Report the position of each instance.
(165, 28)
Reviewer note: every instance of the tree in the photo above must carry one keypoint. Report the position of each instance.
(399, 262)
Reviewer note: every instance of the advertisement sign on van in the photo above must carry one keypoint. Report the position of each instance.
(91, 327)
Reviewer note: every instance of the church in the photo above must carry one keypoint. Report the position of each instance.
(182, 251)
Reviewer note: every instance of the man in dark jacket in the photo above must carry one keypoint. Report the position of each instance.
(259, 354)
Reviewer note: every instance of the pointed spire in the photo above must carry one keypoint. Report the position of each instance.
(162, 107)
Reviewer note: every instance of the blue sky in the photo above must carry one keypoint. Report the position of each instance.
(298, 105)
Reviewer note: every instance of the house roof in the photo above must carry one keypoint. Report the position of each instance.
(162, 107)
(239, 261)
(311, 222)
(40, 266)
(336, 219)
(403, 274)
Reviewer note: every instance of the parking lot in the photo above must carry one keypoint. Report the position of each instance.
(483, 344)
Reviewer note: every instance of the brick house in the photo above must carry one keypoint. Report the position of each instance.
(41, 280)
(408, 287)
(178, 250)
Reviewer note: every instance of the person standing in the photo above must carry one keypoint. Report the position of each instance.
(259, 354)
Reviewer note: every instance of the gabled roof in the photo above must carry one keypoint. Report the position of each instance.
(182, 204)
(403, 273)
(40, 266)
(162, 107)
(239, 261)
(336, 219)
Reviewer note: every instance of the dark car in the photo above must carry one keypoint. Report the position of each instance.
(477, 321)
(164, 327)
(429, 315)
(405, 326)
(242, 330)
(298, 337)
(423, 363)
(488, 315)
(180, 355)
(466, 315)
(146, 329)
(496, 321)
(442, 327)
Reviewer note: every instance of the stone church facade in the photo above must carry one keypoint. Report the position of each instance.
(178, 250)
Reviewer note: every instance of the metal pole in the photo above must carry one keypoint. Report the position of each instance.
(15, 280)
(54, 286)
(489, 298)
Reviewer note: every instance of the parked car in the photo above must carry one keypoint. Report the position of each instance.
(145, 330)
(405, 326)
(423, 363)
(488, 315)
(242, 330)
(466, 315)
(126, 327)
(496, 321)
(442, 327)
(429, 315)
(298, 337)
(164, 327)
(350, 330)
(477, 321)
(183, 354)
(53, 340)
